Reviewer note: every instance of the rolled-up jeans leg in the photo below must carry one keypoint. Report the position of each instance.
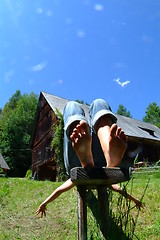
(99, 108)
(72, 112)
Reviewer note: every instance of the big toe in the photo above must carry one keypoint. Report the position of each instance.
(84, 126)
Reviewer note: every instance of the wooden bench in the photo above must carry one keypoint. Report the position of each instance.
(100, 179)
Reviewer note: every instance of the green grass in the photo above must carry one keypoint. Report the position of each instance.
(20, 198)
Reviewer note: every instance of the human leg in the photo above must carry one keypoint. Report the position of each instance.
(81, 143)
(116, 144)
(74, 133)
(112, 138)
(72, 114)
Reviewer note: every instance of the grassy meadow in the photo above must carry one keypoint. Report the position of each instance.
(20, 198)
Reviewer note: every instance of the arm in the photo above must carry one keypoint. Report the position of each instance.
(63, 188)
(117, 188)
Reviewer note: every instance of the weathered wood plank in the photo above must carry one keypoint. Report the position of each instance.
(103, 205)
(82, 213)
(99, 176)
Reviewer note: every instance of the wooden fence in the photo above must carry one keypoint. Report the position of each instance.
(145, 170)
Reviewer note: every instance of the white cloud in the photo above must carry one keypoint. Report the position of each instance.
(146, 39)
(49, 13)
(98, 7)
(60, 81)
(81, 34)
(8, 76)
(39, 10)
(38, 67)
(31, 82)
(57, 83)
(122, 84)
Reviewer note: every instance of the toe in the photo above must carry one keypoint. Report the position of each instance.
(113, 130)
(123, 136)
(118, 131)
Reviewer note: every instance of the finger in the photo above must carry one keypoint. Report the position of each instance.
(37, 212)
(42, 213)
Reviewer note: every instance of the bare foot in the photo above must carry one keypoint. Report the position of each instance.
(116, 147)
(81, 143)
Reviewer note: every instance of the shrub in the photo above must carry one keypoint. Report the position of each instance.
(57, 143)
(28, 174)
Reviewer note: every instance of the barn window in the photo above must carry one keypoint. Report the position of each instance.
(39, 155)
(151, 132)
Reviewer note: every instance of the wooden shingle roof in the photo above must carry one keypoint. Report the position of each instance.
(59, 103)
(132, 127)
(139, 129)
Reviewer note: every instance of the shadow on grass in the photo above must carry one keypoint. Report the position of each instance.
(111, 230)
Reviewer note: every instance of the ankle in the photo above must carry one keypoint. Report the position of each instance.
(88, 164)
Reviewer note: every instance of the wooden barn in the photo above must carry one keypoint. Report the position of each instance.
(143, 138)
(3, 165)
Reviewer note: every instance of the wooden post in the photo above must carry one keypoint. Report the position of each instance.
(82, 213)
(96, 178)
(103, 205)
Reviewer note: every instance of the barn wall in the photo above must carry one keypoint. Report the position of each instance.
(43, 162)
(147, 151)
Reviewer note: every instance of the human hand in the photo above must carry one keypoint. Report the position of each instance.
(139, 204)
(42, 209)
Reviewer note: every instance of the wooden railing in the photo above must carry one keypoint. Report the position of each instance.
(145, 169)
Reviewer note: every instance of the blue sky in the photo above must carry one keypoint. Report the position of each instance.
(82, 49)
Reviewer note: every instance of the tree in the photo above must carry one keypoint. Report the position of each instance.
(123, 111)
(152, 114)
(14, 100)
(82, 102)
(16, 127)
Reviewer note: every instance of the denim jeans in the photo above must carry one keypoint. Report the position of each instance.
(73, 111)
